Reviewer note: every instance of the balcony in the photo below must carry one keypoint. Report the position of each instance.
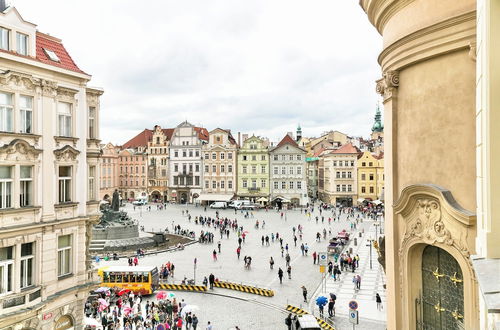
(253, 189)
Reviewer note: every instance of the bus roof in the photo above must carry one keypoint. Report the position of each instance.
(127, 268)
(308, 321)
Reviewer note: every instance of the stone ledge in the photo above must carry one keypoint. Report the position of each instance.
(20, 210)
(487, 271)
(63, 205)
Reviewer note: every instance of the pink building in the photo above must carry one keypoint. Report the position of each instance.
(132, 174)
(109, 170)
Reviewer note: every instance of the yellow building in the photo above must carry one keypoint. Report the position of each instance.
(253, 170)
(370, 172)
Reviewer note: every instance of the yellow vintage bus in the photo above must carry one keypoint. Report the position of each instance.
(139, 279)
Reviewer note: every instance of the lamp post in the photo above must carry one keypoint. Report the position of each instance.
(370, 241)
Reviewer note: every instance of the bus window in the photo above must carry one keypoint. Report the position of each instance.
(132, 278)
(112, 277)
(105, 277)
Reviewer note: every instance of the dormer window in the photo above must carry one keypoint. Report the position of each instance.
(52, 55)
(22, 43)
(4, 38)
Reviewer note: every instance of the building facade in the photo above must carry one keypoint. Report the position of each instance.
(158, 153)
(49, 182)
(428, 86)
(337, 182)
(288, 177)
(109, 178)
(219, 167)
(370, 180)
(185, 165)
(253, 170)
(133, 174)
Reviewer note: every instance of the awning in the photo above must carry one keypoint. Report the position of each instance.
(262, 199)
(283, 199)
(215, 197)
(377, 202)
(361, 200)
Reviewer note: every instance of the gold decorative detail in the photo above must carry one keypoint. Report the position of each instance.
(438, 308)
(456, 315)
(455, 279)
(437, 275)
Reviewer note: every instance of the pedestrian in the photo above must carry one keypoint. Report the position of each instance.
(280, 275)
(287, 259)
(289, 271)
(379, 301)
(331, 305)
(209, 326)
(295, 240)
(358, 282)
(195, 321)
(282, 250)
(214, 255)
(288, 321)
(271, 262)
(314, 257)
(238, 251)
(211, 279)
(304, 293)
(321, 310)
(218, 245)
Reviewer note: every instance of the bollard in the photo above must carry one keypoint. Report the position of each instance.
(355, 241)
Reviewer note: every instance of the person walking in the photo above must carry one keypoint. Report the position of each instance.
(379, 301)
(194, 321)
(238, 252)
(287, 259)
(271, 262)
(209, 326)
(214, 255)
(211, 280)
(358, 282)
(304, 293)
(280, 275)
(218, 245)
(289, 271)
(314, 257)
(288, 321)
(331, 305)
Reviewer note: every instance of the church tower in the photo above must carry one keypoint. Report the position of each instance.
(378, 126)
(299, 133)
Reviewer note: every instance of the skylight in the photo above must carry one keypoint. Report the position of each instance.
(52, 55)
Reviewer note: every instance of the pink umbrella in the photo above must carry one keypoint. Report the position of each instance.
(103, 302)
(161, 295)
(127, 310)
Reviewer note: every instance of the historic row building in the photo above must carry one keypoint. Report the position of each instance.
(49, 179)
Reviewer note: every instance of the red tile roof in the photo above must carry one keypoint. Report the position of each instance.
(44, 41)
(142, 139)
(347, 149)
(287, 140)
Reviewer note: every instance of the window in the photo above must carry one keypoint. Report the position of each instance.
(254, 169)
(207, 155)
(254, 157)
(283, 170)
(190, 153)
(5, 187)
(206, 184)
(291, 184)
(214, 184)
(349, 174)
(176, 168)
(92, 195)
(275, 157)
(229, 155)
(276, 185)
(253, 146)
(263, 169)
(363, 189)
(184, 153)
(371, 190)
(27, 264)
(290, 157)
(26, 183)
(214, 155)
(283, 157)
(371, 177)
(244, 169)
(344, 188)
(222, 155)
(299, 170)
(26, 112)
(343, 175)
(64, 184)
(290, 170)
(352, 163)
(214, 168)
(92, 123)
(230, 168)
(299, 185)
(263, 183)
(337, 175)
(244, 157)
(299, 157)
(6, 110)
(51, 54)
(222, 168)
(222, 184)
(349, 187)
(263, 157)
(176, 153)
(4, 38)
(363, 176)
(63, 255)
(283, 185)
(363, 164)
(338, 188)
(64, 118)
(6, 269)
(275, 171)
(22, 43)
(370, 164)
(245, 184)
(206, 169)
(197, 167)
(230, 184)
(254, 183)
(334, 163)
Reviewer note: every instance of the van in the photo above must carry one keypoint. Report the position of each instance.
(306, 322)
(218, 205)
(237, 204)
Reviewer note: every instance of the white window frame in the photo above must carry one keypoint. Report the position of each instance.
(92, 123)
(26, 188)
(299, 185)
(91, 182)
(65, 120)
(276, 185)
(7, 113)
(262, 183)
(230, 184)
(62, 263)
(23, 273)
(283, 185)
(6, 267)
(245, 183)
(6, 190)
(22, 43)
(4, 38)
(26, 115)
(65, 185)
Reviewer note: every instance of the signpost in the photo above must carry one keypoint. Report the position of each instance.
(353, 313)
(322, 258)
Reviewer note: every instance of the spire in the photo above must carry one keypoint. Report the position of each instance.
(299, 132)
(377, 125)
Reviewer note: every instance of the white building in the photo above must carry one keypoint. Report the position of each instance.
(49, 185)
(288, 175)
(185, 163)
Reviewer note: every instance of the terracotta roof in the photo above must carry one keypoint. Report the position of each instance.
(44, 41)
(347, 149)
(287, 140)
(142, 139)
(318, 153)
(202, 133)
(379, 156)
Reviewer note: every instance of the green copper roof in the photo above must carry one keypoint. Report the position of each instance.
(378, 126)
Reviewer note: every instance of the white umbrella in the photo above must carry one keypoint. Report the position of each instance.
(92, 322)
(189, 309)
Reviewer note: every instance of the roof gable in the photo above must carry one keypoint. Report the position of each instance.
(347, 149)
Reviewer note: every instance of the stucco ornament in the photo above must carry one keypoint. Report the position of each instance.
(66, 153)
(388, 84)
(19, 81)
(19, 150)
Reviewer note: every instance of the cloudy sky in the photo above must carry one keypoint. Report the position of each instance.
(260, 66)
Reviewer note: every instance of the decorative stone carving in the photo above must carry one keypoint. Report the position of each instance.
(19, 149)
(388, 84)
(66, 94)
(66, 153)
(18, 80)
(49, 88)
(472, 50)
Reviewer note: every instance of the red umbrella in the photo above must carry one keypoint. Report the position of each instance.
(122, 291)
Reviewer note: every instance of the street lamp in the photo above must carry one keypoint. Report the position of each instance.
(370, 243)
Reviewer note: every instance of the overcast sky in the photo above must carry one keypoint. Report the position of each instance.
(259, 66)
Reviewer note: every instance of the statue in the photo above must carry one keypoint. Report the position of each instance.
(115, 203)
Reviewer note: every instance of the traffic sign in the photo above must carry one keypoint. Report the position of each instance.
(353, 316)
(322, 258)
(353, 304)
(322, 269)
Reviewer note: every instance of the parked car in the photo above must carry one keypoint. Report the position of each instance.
(140, 202)
(218, 205)
(248, 207)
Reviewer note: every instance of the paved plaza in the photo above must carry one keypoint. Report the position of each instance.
(249, 307)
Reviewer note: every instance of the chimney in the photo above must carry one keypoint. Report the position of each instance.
(3, 5)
